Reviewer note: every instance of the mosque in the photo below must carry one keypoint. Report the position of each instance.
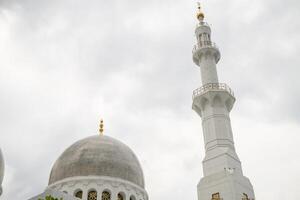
(100, 167)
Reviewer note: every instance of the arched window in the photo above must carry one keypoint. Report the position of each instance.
(105, 195)
(215, 196)
(78, 194)
(120, 196)
(245, 197)
(132, 197)
(92, 195)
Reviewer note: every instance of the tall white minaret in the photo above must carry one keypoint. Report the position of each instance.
(223, 176)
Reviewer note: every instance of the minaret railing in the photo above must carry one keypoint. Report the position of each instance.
(204, 44)
(212, 87)
(202, 24)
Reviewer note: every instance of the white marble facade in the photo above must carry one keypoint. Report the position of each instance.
(114, 186)
(223, 176)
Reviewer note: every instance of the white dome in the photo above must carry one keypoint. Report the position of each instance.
(98, 156)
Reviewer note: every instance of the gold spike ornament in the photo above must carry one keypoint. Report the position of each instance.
(101, 127)
(200, 14)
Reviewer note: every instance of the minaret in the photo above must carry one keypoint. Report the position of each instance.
(223, 176)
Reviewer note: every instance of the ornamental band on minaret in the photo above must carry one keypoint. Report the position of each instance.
(223, 176)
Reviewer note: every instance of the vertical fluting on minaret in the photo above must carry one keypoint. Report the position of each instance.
(213, 102)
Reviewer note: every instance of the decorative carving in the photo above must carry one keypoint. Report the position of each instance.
(92, 195)
(79, 194)
(89, 183)
(127, 187)
(85, 183)
(105, 195)
(71, 184)
(115, 184)
(100, 182)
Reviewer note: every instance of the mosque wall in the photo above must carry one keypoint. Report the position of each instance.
(94, 187)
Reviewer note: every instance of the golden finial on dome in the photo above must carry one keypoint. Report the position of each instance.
(200, 14)
(101, 127)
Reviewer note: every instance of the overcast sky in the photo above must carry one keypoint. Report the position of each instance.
(67, 63)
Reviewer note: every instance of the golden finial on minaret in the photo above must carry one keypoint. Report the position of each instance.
(101, 127)
(200, 14)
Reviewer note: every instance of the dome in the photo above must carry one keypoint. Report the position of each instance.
(98, 156)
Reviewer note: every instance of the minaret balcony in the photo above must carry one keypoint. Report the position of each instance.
(212, 87)
(212, 94)
(205, 48)
(204, 44)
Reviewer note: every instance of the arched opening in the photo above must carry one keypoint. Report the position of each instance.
(245, 197)
(121, 196)
(78, 194)
(132, 197)
(92, 195)
(105, 195)
(215, 196)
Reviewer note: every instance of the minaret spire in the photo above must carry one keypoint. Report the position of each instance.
(101, 127)
(205, 52)
(213, 101)
(200, 14)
